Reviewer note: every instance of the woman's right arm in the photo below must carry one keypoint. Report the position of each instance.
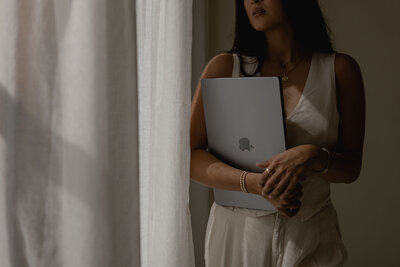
(205, 168)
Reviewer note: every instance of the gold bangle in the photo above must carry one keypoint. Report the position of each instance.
(327, 163)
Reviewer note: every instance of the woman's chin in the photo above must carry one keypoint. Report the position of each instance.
(264, 26)
(261, 27)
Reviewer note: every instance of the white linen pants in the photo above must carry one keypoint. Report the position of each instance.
(236, 238)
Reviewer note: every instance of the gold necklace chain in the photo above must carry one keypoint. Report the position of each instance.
(285, 76)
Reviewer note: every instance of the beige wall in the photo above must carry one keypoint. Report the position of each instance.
(369, 208)
(221, 26)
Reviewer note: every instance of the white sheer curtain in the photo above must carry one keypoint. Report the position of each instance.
(164, 60)
(73, 162)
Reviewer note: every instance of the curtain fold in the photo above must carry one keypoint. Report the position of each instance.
(69, 134)
(201, 197)
(164, 72)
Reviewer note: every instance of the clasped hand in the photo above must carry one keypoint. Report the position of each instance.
(282, 186)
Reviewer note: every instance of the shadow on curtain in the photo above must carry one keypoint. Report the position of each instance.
(69, 136)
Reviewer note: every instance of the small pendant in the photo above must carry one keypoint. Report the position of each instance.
(285, 78)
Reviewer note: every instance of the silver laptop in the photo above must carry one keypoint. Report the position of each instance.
(245, 124)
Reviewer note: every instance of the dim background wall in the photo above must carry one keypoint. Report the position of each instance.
(368, 209)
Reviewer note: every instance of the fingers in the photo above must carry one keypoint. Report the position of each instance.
(297, 192)
(290, 204)
(288, 207)
(263, 164)
(293, 181)
(285, 203)
(297, 195)
(288, 212)
(284, 183)
(291, 188)
(269, 185)
(277, 181)
(266, 176)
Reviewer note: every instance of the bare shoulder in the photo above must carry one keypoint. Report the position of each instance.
(349, 82)
(219, 66)
(346, 66)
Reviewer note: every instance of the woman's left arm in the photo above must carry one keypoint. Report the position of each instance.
(345, 163)
(345, 160)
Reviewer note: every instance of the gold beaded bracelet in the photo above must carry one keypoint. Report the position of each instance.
(242, 181)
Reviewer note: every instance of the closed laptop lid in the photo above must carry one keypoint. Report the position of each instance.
(245, 124)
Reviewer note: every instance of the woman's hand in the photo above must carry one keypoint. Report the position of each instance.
(289, 168)
(290, 205)
(287, 206)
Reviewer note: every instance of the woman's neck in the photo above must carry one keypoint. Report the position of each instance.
(281, 45)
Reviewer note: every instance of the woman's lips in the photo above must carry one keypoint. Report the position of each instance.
(258, 12)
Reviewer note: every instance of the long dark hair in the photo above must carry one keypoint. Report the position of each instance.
(311, 33)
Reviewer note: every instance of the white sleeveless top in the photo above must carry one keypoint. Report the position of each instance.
(314, 120)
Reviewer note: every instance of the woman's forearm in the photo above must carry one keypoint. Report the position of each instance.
(208, 170)
(342, 167)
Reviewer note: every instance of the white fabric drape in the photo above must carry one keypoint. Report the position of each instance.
(69, 134)
(164, 60)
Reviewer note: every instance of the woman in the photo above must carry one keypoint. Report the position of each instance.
(324, 105)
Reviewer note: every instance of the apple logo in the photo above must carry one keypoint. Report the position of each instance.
(244, 144)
